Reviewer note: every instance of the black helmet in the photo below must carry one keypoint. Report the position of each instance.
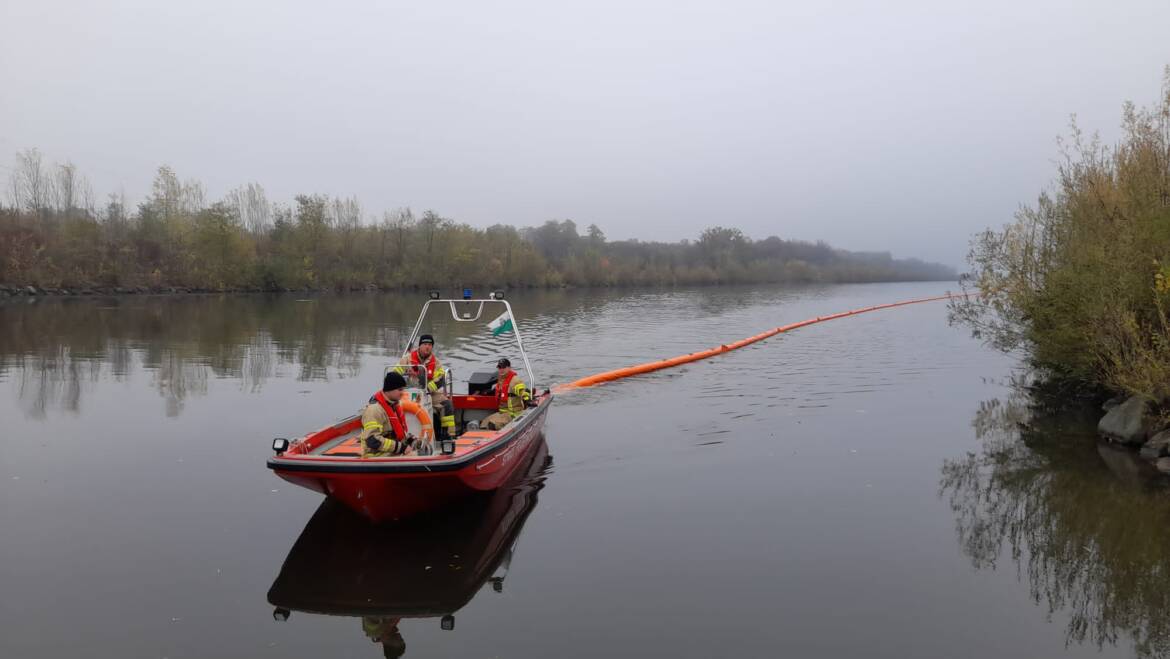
(503, 363)
(392, 381)
(426, 338)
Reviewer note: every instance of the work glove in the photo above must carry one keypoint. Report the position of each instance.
(432, 386)
(406, 444)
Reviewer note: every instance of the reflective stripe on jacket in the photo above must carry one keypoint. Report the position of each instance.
(386, 422)
(511, 395)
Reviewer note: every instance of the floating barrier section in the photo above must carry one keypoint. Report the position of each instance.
(649, 367)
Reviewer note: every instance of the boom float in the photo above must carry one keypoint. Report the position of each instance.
(649, 367)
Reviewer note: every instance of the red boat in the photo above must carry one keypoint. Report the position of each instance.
(330, 460)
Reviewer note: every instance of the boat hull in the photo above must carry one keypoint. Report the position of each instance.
(388, 489)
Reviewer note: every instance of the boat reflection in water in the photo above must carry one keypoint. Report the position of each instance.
(426, 567)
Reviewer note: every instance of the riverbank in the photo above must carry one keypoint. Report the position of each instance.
(38, 291)
(1135, 424)
(30, 291)
(175, 238)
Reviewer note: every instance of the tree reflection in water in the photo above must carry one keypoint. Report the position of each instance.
(1085, 523)
(55, 348)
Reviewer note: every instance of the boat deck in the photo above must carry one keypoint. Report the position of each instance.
(467, 408)
(348, 445)
(345, 446)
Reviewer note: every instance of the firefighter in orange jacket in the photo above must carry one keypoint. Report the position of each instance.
(512, 396)
(423, 367)
(384, 430)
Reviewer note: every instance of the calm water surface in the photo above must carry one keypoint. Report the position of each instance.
(878, 486)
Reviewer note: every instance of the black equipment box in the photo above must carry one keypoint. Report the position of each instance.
(480, 384)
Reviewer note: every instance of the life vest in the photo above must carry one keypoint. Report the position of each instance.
(431, 362)
(396, 413)
(503, 391)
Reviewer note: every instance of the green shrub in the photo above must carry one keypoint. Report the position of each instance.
(1074, 280)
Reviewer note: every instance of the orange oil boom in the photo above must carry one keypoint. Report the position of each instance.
(648, 367)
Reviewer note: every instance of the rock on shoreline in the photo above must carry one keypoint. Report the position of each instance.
(1133, 422)
(1128, 422)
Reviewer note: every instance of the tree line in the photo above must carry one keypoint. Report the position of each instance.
(54, 234)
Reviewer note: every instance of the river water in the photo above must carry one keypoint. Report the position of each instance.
(866, 487)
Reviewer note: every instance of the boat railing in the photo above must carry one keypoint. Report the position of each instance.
(469, 310)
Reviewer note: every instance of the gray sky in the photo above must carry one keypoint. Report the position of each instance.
(873, 125)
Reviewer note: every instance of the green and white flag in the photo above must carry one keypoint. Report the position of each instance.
(501, 324)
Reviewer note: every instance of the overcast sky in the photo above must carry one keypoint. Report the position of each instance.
(901, 126)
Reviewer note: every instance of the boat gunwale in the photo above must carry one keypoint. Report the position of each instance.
(427, 464)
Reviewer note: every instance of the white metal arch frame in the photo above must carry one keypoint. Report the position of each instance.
(471, 318)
